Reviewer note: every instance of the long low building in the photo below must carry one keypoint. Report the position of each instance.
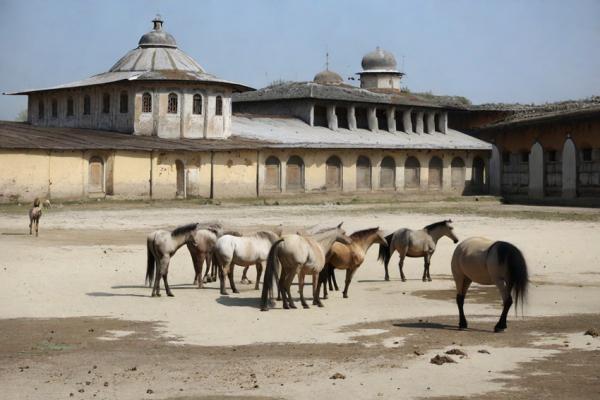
(156, 125)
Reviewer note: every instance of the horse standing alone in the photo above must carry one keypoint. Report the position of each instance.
(35, 213)
(299, 254)
(486, 262)
(420, 243)
(161, 245)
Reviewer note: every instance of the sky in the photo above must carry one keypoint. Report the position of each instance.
(531, 51)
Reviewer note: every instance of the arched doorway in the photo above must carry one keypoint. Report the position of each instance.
(553, 172)
(457, 172)
(180, 168)
(478, 175)
(333, 173)
(387, 173)
(96, 175)
(412, 173)
(295, 174)
(272, 174)
(363, 173)
(436, 168)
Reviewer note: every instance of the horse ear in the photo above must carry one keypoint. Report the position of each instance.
(340, 225)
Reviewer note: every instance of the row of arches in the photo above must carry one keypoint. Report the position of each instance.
(294, 176)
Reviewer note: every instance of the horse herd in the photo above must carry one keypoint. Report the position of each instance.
(318, 253)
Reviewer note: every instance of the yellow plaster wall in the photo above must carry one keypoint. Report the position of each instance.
(66, 174)
(24, 175)
(234, 174)
(131, 174)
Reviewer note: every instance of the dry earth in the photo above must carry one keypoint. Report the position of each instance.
(76, 320)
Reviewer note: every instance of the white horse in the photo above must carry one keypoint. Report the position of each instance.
(245, 251)
(161, 246)
(411, 243)
(487, 262)
(299, 254)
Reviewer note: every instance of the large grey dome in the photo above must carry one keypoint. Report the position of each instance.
(157, 51)
(379, 60)
(328, 77)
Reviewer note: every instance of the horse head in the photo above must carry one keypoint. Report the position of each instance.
(449, 230)
(341, 235)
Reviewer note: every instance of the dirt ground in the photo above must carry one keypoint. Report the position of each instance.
(76, 320)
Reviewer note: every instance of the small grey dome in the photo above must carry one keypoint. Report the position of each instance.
(379, 60)
(328, 77)
(157, 37)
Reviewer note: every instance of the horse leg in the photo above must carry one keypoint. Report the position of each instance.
(506, 302)
(462, 285)
(402, 254)
(324, 278)
(37, 226)
(222, 278)
(259, 270)
(161, 267)
(316, 283)
(231, 281)
(335, 285)
(427, 262)
(30, 224)
(245, 279)
(349, 275)
(167, 288)
(282, 292)
(301, 277)
(288, 288)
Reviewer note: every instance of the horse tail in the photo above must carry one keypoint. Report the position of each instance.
(270, 273)
(518, 276)
(151, 263)
(384, 250)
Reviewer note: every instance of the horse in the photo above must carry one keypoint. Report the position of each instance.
(161, 245)
(411, 243)
(35, 213)
(486, 262)
(299, 254)
(245, 251)
(200, 249)
(350, 256)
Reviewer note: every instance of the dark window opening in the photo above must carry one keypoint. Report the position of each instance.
(197, 106)
(506, 158)
(124, 103)
(87, 105)
(342, 117)
(363, 173)
(586, 154)
(105, 103)
(437, 123)
(552, 156)
(525, 156)
(295, 174)
(320, 116)
(172, 104)
(54, 108)
(362, 122)
(70, 107)
(219, 106)
(146, 103)
(382, 123)
(40, 109)
(413, 120)
(400, 121)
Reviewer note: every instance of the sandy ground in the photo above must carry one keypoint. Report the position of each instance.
(77, 321)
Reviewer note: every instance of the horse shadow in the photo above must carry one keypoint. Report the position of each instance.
(434, 325)
(108, 294)
(234, 301)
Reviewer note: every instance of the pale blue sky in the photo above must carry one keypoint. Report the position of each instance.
(500, 51)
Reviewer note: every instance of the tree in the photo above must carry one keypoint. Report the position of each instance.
(21, 116)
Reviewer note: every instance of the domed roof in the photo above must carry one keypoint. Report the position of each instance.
(328, 77)
(157, 51)
(379, 60)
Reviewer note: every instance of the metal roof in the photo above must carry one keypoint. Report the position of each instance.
(538, 117)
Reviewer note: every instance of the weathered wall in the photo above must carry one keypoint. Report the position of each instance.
(25, 175)
(235, 173)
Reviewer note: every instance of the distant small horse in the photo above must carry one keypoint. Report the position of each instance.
(35, 213)
(487, 262)
(161, 246)
(350, 256)
(245, 251)
(412, 243)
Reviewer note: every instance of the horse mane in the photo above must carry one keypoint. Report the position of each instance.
(363, 233)
(437, 224)
(324, 230)
(183, 229)
(266, 235)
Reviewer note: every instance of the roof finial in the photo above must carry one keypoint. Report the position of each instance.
(327, 61)
(157, 21)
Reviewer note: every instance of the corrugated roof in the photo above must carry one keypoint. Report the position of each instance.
(519, 119)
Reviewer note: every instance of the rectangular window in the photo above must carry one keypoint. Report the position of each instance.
(87, 105)
(124, 103)
(525, 157)
(54, 108)
(506, 158)
(106, 103)
(146, 103)
(70, 107)
(552, 156)
(172, 104)
(586, 154)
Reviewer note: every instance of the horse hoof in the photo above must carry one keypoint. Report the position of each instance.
(293, 306)
(428, 279)
(499, 329)
(170, 295)
(224, 294)
(345, 296)
(387, 278)
(403, 279)
(318, 304)
(286, 307)
(264, 309)
(236, 291)
(305, 306)
(462, 327)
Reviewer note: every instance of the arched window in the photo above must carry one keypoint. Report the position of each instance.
(146, 103)
(87, 105)
(553, 172)
(478, 175)
(70, 107)
(457, 172)
(219, 106)
(436, 168)
(172, 104)
(387, 173)
(197, 105)
(54, 108)
(123, 103)
(363, 173)
(180, 168)
(41, 109)
(412, 173)
(96, 175)
(294, 174)
(106, 103)
(333, 173)
(272, 174)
